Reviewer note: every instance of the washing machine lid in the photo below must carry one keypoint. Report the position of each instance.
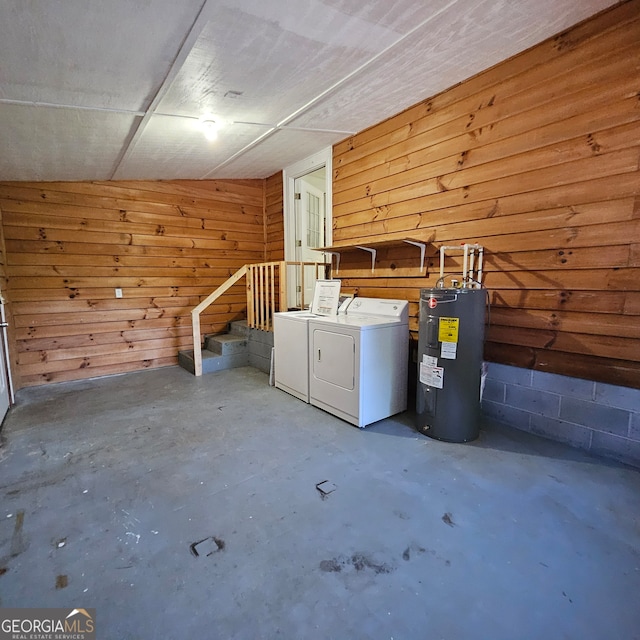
(397, 310)
(299, 316)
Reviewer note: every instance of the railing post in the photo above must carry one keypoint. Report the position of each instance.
(250, 297)
(197, 348)
(282, 302)
(272, 295)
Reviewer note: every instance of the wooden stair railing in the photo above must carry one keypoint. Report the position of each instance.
(266, 293)
(196, 311)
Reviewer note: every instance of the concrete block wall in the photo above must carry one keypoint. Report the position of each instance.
(260, 344)
(601, 418)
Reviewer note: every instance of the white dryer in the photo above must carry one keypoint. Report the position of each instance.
(291, 339)
(359, 361)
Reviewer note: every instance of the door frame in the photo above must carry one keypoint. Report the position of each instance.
(289, 175)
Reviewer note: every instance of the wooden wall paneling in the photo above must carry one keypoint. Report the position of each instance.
(538, 65)
(604, 323)
(536, 159)
(11, 355)
(454, 146)
(274, 214)
(438, 209)
(631, 303)
(434, 194)
(32, 332)
(621, 372)
(167, 245)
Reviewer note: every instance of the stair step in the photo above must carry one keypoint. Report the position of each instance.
(226, 343)
(212, 362)
(239, 328)
(221, 350)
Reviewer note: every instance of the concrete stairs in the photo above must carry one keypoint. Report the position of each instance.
(221, 351)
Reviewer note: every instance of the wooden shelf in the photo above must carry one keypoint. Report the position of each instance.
(373, 247)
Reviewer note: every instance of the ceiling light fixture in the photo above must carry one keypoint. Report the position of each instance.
(209, 125)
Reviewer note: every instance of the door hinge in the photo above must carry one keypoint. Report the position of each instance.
(297, 196)
(298, 243)
(298, 288)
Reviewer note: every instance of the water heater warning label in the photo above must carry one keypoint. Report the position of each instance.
(448, 350)
(448, 329)
(431, 376)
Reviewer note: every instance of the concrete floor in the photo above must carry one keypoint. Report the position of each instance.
(111, 487)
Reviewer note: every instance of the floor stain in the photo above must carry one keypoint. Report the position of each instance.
(18, 544)
(447, 518)
(406, 554)
(358, 561)
(330, 566)
(3, 570)
(61, 582)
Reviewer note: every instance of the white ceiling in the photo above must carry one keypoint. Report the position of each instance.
(113, 89)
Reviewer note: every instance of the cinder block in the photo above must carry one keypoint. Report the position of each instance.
(263, 364)
(620, 449)
(507, 415)
(532, 400)
(264, 337)
(596, 416)
(506, 373)
(239, 328)
(561, 431)
(260, 349)
(494, 391)
(620, 397)
(563, 385)
(634, 427)
(221, 363)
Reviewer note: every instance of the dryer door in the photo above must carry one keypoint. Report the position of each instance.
(334, 358)
(334, 378)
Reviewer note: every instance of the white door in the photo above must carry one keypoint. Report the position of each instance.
(310, 235)
(314, 171)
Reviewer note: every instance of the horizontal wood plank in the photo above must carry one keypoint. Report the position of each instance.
(537, 160)
(165, 245)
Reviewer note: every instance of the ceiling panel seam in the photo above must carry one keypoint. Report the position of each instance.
(185, 49)
(76, 107)
(336, 85)
(237, 154)
(363, 66)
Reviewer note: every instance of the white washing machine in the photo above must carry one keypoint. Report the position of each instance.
(291, 339)
(291, 348)
(359, 361)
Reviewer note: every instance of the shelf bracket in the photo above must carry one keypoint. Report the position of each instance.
(373, 253)
(422, 246)
(337, 255)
